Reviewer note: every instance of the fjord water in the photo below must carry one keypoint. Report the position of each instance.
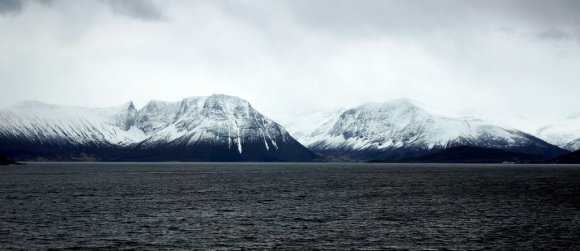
(288, 206)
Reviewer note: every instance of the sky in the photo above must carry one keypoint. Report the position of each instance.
(515, 61)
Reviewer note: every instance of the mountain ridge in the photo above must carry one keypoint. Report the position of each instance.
(124, 133)
(404, 128)
(226, 128)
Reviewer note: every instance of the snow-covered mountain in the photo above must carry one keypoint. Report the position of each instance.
(42, 123)
(213, 128)
(404, 128)
(227, 128)
(564, 133)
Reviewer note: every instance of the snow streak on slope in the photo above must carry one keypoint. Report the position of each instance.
(564, 133)
(220, 119)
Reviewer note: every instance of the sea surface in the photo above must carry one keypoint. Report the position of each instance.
(289, 206)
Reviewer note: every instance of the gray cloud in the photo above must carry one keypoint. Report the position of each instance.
(10, 7)
(141, 9)
(45, 2)
(358, 17)
(543, 13)
(554, 34)
(415, 18)
(146, 10)
(283, 53)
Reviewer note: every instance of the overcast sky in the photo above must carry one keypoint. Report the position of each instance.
(504, 59)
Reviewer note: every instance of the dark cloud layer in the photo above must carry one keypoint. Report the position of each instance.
(554, 34)
(10, 6)
(140, 9)
(145, 10)
(547, 20)
(414, 16)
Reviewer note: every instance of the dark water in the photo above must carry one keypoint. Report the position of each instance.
(289, 206)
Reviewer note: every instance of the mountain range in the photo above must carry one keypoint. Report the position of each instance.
(404, 129)
(227, 128)
(213, 128)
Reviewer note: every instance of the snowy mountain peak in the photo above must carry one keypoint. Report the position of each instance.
(122, 107)
(228, 104)
(216, 127)
(221, 119)
(156, 115)
(407, 125)
(398, 108)
(402, 103)
(190, 105)
(156, 104)
(410, 106)
(131, 106)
